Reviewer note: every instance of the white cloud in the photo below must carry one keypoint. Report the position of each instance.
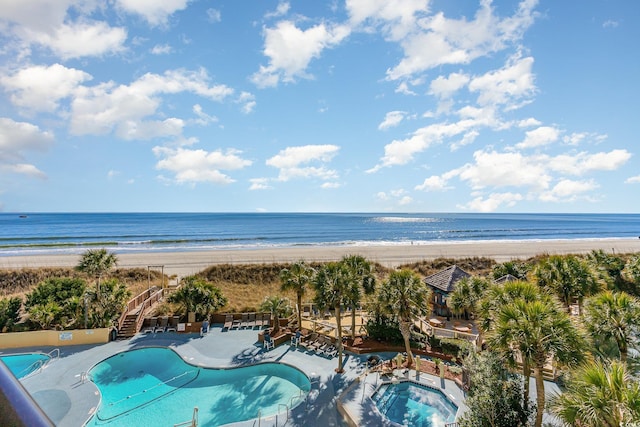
(406, 200)
(392, 119)
(330, 185)
(17, 138)
(203, 118)
(259, 184)
(567, 190)
(403, 88)
(434, 183)
(398, 196)
(290, 50)
(83, 39)
(248, 102)
(107, 106)
(153, 11)
(445, 87)
(40, 88)
(161, 49)
(583, 162)
(452, 41)
(610, 23)
(281, 10)
(511, 85)
(495, 169)
(544, 135)
(400, 152)
(396, 17)
(633, 180)
(492, 202)
(214, 15)
(530, 122)
(292, 162)
(193, 166)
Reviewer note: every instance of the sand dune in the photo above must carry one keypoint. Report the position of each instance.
(187, 262)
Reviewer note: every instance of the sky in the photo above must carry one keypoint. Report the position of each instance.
(319, 106)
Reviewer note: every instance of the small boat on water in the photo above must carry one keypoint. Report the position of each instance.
(23, 216)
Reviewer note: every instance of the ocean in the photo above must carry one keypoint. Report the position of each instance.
(64, 233)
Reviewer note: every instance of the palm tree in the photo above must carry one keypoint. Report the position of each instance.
(278, 307)
(405, 296)
(467, 293)
(568, 276)
(614, 316)
(96, 262)
(361, 272)
(198, 296)
(534, 331)
(333, 287)
(599, 396)
(107, 306)
(297, 278)
(609, 266)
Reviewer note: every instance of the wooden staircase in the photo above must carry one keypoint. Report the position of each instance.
(128, 328)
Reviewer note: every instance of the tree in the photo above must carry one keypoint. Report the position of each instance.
(278, 307)
(598, 395)
(9, 312)
(55, 301)
(198, 296)
(96, 263)
(333, 285)
(297, 278)
(609, 268)
(518, 270)
(466, 295)
(407, 297)
(535, 331)
(107, 306)
(614, 316)
(569, 277)
(495, 396)
(631, 273)
(364, 281)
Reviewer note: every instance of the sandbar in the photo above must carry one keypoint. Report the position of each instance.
(185, 263)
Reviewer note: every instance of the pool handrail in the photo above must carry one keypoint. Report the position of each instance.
(17, 404)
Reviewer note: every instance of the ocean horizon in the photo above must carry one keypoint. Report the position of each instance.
(71, 233)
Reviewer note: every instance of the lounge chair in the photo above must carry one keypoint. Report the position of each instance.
(204, 329)
(153, 322)
(330, 351)
(173, 324)
(295, 340)
(228, 321)
(236, 324)
(245, 320)
(259, 320)
(266, 320)
(321, 344)
(309, 342)
(162, 327)
(251, 323)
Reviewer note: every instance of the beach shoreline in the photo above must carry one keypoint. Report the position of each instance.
(187, 262)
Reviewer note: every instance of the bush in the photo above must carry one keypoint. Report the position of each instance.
(455, 347)
(9, 312)
(384, 330)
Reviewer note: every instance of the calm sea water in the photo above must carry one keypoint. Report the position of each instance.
(47, 233)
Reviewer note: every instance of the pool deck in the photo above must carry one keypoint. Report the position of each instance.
(69, 401)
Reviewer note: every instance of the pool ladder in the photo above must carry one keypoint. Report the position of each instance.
(38, 365)
(191, 423)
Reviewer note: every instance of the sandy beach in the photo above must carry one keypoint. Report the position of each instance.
(187, 262)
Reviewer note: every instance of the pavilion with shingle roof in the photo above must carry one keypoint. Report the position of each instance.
(443, 283)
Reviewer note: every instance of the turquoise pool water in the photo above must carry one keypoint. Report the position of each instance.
(24, 364)
(154, 386)
(411, 404)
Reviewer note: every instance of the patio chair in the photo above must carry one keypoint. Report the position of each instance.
(259, 320)
(204, 329)
(173, 324)
(295, 340)
(236, 323)
(162, 327)
(310, 342)
(251, 322)
(153, 322)
(245, 320)
(228, 321)
(330, 351)
(268, 343)
(266, 320)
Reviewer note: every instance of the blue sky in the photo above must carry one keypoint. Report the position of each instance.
(357, 105)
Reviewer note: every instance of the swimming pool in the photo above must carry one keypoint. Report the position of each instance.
(24, 364)
(155, 386)
(411, 404)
